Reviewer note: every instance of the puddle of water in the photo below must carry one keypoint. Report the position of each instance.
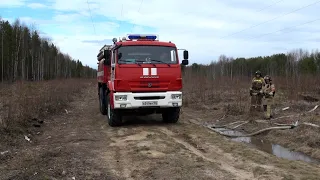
(270, 148)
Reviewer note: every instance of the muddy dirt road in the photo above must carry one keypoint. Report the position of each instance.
(79, 144)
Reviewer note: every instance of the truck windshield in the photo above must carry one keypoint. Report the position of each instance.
(147, 54)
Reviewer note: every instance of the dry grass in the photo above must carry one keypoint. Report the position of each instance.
(24, 102)
(216, 97)
(204, 90)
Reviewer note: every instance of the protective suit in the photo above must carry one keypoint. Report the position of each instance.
(256, 91)
(269, 91)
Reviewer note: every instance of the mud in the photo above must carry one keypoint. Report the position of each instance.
(80, 145)
(271, 148)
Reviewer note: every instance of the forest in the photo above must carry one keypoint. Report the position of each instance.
(294, 73)
(24, 55)
(293, 63)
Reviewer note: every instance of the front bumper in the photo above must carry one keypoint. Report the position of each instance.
(147, 100)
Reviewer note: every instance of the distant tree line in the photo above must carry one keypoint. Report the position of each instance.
(292, 64)
(24, 55)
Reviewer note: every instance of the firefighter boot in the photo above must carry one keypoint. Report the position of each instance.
(252, 108)
(268, 112)
(264, 108)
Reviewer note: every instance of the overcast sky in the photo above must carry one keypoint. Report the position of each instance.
(207, 28)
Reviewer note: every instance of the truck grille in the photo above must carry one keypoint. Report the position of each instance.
(149, 97)
(149, 84)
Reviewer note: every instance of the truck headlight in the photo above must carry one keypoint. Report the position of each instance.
(176, 96)
(120, 97)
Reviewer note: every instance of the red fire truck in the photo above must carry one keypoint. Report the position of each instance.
(140, 75)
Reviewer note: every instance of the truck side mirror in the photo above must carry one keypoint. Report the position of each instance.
(107, 60)
(185, 62)
(185, 54)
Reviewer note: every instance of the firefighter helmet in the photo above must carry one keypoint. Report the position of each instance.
(258, 73)
(267, 77)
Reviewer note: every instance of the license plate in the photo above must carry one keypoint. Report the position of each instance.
(149, 103)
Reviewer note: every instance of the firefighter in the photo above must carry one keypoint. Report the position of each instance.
(269, 91)
(256, 91)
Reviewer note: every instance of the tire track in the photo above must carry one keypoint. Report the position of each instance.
(239, 174)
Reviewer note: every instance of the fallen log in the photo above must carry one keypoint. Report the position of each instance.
(254, 133)
(310, 124)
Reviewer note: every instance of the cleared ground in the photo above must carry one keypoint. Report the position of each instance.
(79, 144)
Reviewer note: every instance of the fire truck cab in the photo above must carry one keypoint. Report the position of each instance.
(140, 75)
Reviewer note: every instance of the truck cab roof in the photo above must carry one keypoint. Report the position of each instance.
(145, 42)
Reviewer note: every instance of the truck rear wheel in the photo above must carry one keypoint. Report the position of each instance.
(171, 115)
(114, 117)
(102, 101)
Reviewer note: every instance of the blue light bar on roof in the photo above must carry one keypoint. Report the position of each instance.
(141, 36)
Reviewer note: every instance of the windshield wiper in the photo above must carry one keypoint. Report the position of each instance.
(147, 63)
(129, 61)
(160, 62)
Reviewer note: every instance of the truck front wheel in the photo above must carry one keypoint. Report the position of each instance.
(171, 115)
(102, 101)
(114, 117)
